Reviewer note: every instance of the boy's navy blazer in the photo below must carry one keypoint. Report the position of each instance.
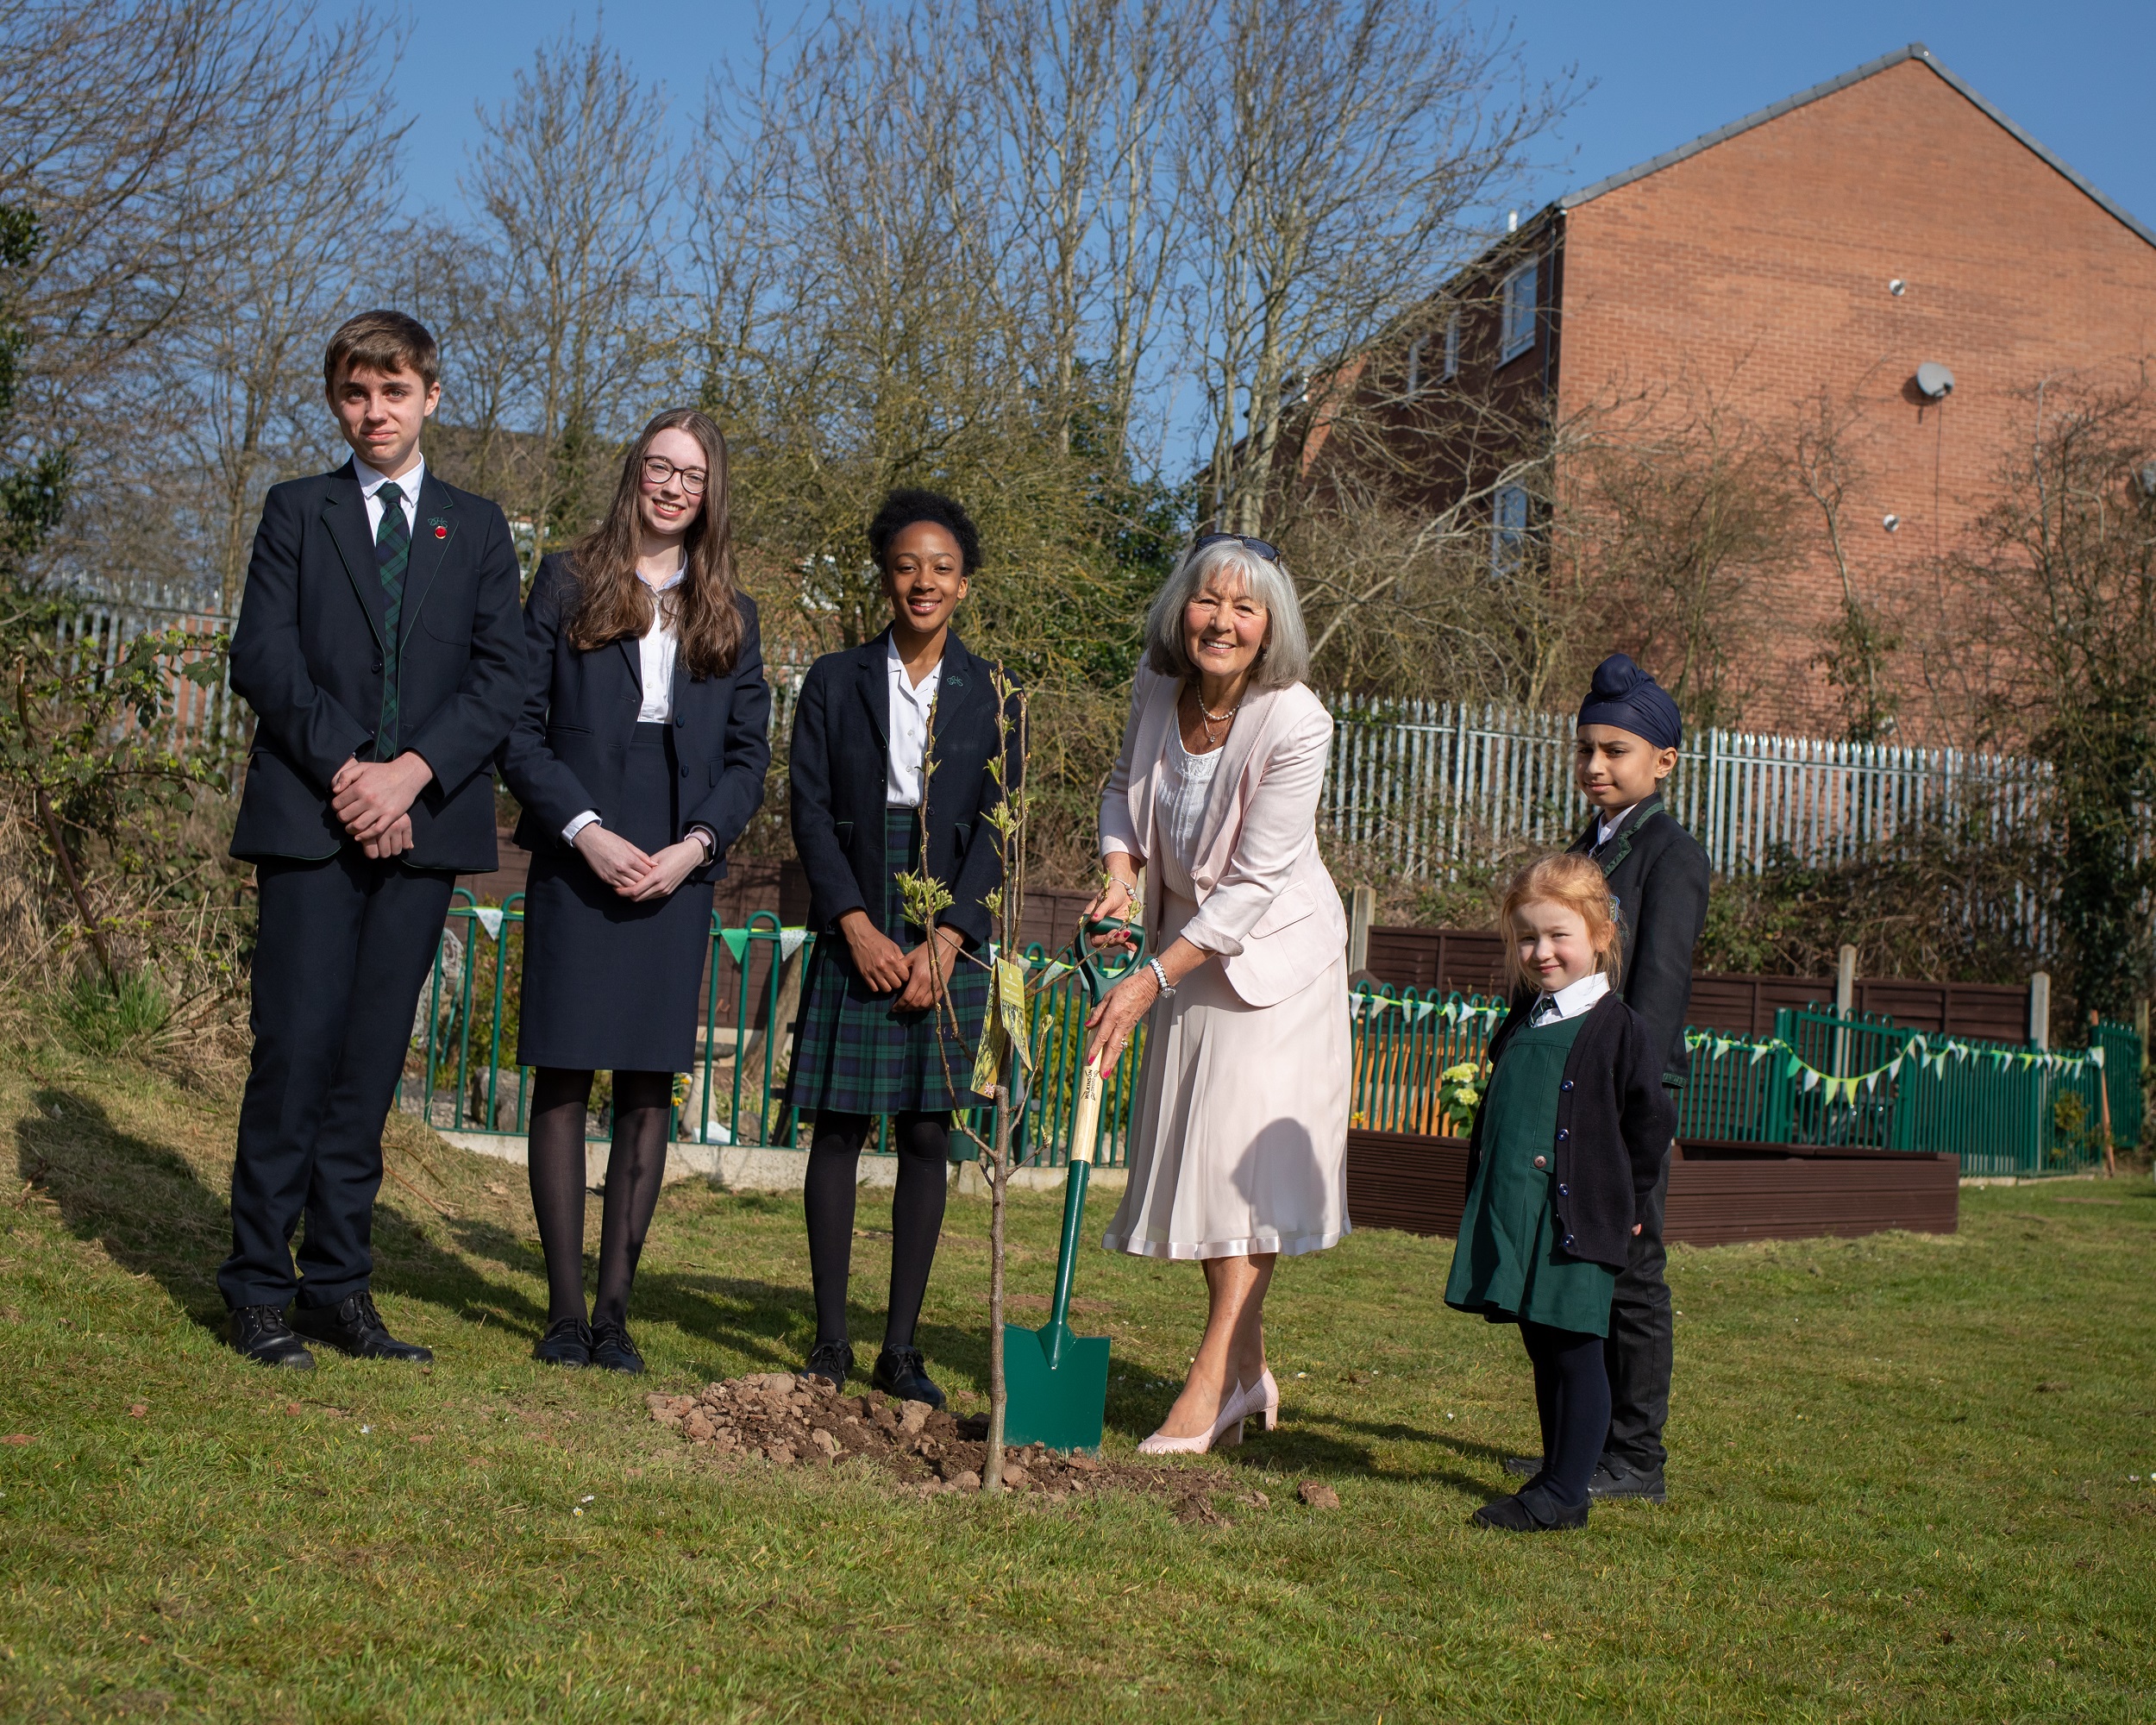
(566, 754)
(307, 656)
(1659, 872)
(842, 743)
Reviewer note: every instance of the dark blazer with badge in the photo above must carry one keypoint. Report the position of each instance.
(1615, 1123)
(580, 716)
(1658, 872)
(841, 741)
(307, 656)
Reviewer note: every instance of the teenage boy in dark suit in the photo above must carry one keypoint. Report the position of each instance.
(1626, 744)
(381, 646)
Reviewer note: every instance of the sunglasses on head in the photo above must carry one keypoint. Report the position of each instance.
(1242, 539)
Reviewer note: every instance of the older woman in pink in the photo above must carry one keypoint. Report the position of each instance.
(1239, 1143)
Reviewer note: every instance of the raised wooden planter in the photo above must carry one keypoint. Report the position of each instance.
(1719, 1192)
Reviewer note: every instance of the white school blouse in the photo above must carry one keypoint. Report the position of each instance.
(655, 655)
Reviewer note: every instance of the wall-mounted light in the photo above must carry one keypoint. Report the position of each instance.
(1892, 523)
(1897, 287)
(1934, 381)
(2148, 477)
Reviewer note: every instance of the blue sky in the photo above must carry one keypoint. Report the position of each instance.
(2071, 72)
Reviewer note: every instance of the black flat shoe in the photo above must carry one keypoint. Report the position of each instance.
(899, 1372)
(1530, 1510)
(831, 1361)
(354, 1327)
(1614, 1479)
(261, 1333)
(612, 1350)
(566, 1342)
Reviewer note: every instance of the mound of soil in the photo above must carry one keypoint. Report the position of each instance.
(796, 1422)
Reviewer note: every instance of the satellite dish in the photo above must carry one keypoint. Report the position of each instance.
(1934, 381)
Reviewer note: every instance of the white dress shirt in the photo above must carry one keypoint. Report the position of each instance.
(371, 483)
(1606, 828)
(1570, 1000)
(909, 702)
(655, 655)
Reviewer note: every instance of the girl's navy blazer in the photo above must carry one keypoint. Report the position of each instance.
(1614, 1124)
(841, 744)
(580, 716)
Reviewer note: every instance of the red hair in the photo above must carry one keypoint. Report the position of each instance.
(1576, 882)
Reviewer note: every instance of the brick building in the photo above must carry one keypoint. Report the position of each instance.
(1828, 247)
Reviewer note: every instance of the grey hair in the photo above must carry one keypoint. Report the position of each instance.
(1285, 657)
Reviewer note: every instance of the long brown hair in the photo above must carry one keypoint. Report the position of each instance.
(1578, 883)
(612, 605)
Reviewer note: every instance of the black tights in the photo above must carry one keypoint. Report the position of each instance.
(634, 1168)
(922, 1142)
(1572, 1397)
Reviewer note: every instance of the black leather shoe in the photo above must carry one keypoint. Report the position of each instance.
(1614, 1479)
(831, 1361)
(899, 1372)
(261, 1333)
(354, 1327)
(1525, 1466)
(612, 1350)
(1530, 1510)
(566, 1342)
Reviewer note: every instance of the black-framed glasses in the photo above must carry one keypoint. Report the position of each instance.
(1242, 539)
(658, 470)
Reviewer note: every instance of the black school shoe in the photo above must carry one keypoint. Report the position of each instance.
(612, 1350)
(1613, 1479)
(831, 1361)
(1530, 1510)
(354, 1327)
(902, 1372)
(566, 1342)
(261, 1333)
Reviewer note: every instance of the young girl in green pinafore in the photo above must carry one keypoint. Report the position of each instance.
(1565, 1148)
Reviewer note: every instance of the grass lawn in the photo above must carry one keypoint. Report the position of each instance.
(1902, 1485)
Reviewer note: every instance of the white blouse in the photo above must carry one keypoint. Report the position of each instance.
(655, 655)
(1179, 807)
(910, 705)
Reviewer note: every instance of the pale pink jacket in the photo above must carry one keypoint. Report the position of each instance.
(1266, 905)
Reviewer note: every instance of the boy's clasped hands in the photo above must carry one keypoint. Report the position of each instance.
(373, 798)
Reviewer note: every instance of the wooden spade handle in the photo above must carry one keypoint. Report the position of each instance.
(1085, 1121)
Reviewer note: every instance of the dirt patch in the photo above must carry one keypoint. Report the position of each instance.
(803, 1421)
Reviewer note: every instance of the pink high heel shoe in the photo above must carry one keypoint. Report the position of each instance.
(1263, 1399)
(1232, 1412)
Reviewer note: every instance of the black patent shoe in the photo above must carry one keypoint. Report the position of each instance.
(354, 1327)
(1530, 1510)
(612, 1350)
(831, 1361)
(261, 1333)
(566, 1342)
(1613, 1479)
(899, 1372)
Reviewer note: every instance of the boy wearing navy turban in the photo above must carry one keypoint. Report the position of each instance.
(1629, 729)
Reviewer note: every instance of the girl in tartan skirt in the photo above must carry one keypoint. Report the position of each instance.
(890, 773)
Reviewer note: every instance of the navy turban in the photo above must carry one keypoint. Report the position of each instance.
(1630, 698)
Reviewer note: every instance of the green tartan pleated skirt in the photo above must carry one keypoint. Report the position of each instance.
(854, 1051)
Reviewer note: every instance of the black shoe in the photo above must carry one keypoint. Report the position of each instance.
(354, 1327)
(261, 1333)
(899, 1372)
(613, 1350)
(1614, 1479)
(1530, 1510)
(829, 1361)
(1525, 1466)
(566, 1342)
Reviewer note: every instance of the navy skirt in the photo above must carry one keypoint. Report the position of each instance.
(854, 1051)
(612, 984)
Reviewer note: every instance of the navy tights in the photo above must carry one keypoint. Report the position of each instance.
(1572, 1397)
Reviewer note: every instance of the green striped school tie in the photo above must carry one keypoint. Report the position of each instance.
(392, 551)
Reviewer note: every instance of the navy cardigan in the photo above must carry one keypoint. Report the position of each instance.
(1614, 1124)
(841, 742)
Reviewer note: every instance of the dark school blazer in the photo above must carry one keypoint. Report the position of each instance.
(842, 743)
(1658, 873)
(307, 656)
(1614, 1124)
(580, 716)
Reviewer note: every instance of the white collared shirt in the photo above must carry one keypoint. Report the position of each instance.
(1570, 1000)
(408, 484)
(655, 655)
(909, 702)
(1607, 829)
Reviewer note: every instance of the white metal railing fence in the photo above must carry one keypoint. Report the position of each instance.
(1427, 787)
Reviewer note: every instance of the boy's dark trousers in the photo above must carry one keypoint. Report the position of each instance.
(345, 947)
(1641, 1348)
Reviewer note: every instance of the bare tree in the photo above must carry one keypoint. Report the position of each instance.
(1827, 468)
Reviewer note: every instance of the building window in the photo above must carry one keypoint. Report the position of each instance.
(1414, 365)
(1517, 333)
(1451, 348)
(1507, 529)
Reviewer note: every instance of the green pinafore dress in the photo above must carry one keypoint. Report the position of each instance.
(1507, 1265)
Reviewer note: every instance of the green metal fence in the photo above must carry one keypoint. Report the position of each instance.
(1819, 1080)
